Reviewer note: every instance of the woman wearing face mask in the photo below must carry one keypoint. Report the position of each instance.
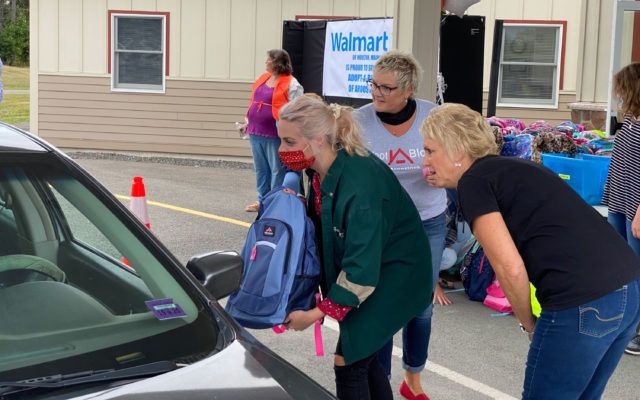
(391, 128)
(375, 254)
(534, 227)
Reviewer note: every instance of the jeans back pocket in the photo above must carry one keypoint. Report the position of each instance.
(604, 315)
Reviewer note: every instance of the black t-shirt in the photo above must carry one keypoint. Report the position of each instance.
(572, 255)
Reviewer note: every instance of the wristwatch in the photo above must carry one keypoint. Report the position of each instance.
(523, 329)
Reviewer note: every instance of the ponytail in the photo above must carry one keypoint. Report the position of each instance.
(314, 118)
(348, 132)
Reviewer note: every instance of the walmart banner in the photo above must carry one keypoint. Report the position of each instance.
(350, 50)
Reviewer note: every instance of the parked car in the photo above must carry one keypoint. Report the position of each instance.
(92, 305)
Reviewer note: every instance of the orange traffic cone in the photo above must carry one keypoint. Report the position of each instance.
(138, 206)
(138, 203)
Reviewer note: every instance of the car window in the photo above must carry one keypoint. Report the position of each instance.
(7, 224)
(66, 292)
(82, 230)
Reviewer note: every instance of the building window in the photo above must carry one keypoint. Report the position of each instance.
(530, 66)
(138, 58)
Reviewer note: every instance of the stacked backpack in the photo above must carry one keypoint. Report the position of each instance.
(480, 282)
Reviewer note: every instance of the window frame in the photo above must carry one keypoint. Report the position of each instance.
(561, 27)
(113, 15)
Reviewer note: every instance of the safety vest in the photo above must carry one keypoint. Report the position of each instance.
(280, 92)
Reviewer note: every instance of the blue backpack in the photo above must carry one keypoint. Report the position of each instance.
(476, 273)
(281, 264)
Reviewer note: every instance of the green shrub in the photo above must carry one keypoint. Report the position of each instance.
(14, 40)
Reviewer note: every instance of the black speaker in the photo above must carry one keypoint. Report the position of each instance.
(313, 56)
(304, 41)
(462, 59)
(293, 43)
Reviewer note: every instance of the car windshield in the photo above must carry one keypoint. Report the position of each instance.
(79, 289)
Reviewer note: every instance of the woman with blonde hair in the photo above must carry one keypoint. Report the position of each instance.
(391, 127)
(534, 227)
(622, 191)
(375, 254)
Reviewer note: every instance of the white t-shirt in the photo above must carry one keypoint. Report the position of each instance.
(404, 156)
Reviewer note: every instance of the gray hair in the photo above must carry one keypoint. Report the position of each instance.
(406, 68)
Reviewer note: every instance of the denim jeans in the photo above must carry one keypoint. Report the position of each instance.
(266, 163)
(575, 351)
(623, 226)
(417, 332)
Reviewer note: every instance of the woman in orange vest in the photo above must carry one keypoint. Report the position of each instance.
(272, 90)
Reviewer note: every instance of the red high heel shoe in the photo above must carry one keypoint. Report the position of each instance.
(406, 392)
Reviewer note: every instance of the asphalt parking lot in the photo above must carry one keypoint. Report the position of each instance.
(474, 353)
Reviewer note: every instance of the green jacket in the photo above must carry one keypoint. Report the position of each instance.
(376, 255)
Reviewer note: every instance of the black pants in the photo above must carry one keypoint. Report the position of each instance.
(362, 380)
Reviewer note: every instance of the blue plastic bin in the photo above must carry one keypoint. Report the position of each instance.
(585, 173)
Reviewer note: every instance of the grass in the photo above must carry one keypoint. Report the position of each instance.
(15, 78)
(15, 108)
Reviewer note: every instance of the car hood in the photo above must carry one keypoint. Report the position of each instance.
(233, 373)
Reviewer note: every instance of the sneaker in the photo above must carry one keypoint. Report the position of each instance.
(634, 346)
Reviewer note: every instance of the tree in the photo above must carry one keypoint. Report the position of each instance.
(14, 32)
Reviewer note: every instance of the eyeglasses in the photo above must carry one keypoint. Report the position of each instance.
(384, 90)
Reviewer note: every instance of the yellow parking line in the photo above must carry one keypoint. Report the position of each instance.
(189, 211)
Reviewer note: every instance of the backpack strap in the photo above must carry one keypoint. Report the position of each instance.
(317, 331)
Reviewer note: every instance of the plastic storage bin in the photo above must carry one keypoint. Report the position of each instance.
(585, 173)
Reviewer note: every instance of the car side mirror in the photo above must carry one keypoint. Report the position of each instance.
(220, 271)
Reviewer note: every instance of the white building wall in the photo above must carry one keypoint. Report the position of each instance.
(94, 36)
(222, 40)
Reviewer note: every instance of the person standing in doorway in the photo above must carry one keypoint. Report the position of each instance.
(272, 90)
(622, 191)
(391, 128)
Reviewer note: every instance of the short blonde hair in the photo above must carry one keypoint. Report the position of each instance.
(406, 68)
(315, 119)
(626, 84)
(457, 128)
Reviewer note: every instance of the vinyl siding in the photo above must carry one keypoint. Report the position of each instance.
(528, 115)
(193, 117)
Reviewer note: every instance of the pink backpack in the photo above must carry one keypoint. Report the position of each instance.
(496, 300)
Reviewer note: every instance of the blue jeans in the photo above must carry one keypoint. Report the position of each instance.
(417, 332)
(266, 163)
(575, 351)
(623, 226)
